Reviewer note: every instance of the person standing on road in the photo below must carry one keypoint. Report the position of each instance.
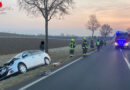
(98, 45)
(72, 47)
(85, 47)
(42, 46)
(101, 43)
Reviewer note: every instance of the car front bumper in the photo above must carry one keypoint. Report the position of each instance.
(3, 72)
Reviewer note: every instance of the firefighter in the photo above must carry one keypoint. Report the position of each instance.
(72, 47)
(98, 45)
(85, 47)
(101, 43)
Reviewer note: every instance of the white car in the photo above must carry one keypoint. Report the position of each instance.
(24, 61)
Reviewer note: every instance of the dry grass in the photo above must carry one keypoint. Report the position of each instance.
(59, 54)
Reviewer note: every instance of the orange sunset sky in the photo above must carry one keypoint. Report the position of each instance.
(113, 12)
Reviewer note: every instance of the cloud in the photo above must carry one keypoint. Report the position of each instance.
(116, 13)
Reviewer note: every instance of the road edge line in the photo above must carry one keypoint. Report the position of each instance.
(126, 60)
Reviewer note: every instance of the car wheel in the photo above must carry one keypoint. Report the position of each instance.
(47, 62)
(22, 68)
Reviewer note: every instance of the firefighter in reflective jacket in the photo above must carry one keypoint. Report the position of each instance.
(72, 47)
(85, 46)
(98, 44)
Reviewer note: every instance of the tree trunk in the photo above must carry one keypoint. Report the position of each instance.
(46, 35)
(92, 34)
(105, 36)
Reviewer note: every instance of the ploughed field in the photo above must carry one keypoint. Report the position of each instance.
(16, 45)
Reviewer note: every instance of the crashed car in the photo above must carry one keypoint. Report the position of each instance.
(23, 62)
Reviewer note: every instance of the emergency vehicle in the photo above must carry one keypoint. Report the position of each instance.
(122, 40)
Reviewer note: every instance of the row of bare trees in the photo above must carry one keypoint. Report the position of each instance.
(48, 9)
(93, 25)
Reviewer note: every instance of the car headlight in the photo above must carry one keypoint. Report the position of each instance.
(3, 70)
(126, 44)
(116, 43)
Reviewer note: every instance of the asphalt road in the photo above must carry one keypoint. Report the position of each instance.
(104, 70)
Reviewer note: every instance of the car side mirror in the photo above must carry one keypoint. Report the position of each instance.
(24, 55)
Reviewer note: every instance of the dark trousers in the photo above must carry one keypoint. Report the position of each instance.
(71, 52)
(85, 51)
(98, 47)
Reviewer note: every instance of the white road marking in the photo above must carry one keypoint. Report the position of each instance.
(42, 78)
(126, 60)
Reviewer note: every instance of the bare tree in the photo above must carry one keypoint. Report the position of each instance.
(93, 24)
(48, 9)
(105, 30)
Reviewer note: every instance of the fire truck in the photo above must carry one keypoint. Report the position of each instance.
(122, 40)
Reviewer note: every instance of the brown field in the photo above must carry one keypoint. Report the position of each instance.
(16, 45)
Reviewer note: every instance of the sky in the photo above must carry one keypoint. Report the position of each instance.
(115, 13)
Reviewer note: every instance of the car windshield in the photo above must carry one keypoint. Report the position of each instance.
(122, 36)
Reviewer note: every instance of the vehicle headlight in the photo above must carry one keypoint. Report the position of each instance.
(116, 43)
(3, 71)
(126, 44)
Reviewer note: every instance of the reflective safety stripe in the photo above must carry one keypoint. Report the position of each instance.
(71, 48)
(86, 46)
(85, 53)
(71, 55)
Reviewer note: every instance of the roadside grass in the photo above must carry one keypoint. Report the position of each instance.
(57, 55)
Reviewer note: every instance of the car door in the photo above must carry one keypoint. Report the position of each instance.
(29, 60)
(38, 60)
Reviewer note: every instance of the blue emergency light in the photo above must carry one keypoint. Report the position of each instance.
(117, 32)
(121, 42)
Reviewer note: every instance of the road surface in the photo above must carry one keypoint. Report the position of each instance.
(105, 70)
